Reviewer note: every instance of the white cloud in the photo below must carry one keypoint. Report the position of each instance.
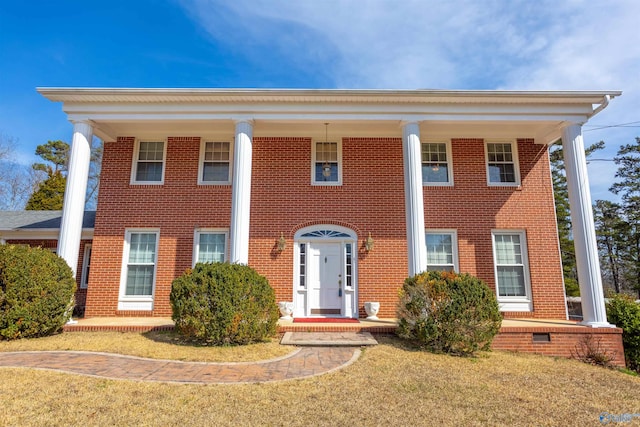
(493, 44)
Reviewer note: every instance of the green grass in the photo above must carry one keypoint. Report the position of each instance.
(390, 384)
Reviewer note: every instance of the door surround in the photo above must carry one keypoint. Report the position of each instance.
(319, 234)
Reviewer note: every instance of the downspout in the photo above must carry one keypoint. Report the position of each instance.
(602, 106)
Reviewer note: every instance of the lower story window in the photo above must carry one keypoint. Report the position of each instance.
(210, 246)
(442, 250)
(141, 259)
(511, 267)
(86, 266)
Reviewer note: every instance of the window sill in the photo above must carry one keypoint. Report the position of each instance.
(509, 306)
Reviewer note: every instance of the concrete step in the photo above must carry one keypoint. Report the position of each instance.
(328, 339)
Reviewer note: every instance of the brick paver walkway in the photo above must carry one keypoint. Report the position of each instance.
(305, 362)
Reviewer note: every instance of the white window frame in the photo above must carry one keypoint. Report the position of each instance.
(449, 182)
(454, 244)
(203, 144)
(86, 264)
(137, 302)
(516, 163)
(196, 241)
(513, 303)
(135, 161)
(338, 143)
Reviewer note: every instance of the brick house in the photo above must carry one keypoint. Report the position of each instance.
(336, 196)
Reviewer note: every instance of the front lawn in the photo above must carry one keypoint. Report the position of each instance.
(391, 384)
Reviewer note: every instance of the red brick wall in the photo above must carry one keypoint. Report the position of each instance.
(474, 209)
(370, 199)
(564, 341)
(176, 208)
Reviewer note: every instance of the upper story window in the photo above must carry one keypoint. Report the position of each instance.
(148, 162)
(511, 270)
(327, 157)
(442, 250)
(215, 163)
(436, 163)
(209, 246)
(502, 163)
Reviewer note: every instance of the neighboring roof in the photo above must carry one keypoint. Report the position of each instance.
(39, 220)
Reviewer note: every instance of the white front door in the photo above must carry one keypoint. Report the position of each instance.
(325, 279)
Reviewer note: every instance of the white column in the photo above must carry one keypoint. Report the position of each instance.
(74, 194)
(414, 200)
(583, 228)
(241, 193)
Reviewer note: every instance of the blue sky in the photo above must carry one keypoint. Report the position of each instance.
(456, 44)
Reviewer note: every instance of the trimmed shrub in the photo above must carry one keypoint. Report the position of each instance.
(448, 312)
(36, 292)
(224, 303)
(624, 312)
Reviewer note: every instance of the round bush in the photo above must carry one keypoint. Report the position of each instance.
(224, 303)
(36, 292)
(448, 312)
(624, 312)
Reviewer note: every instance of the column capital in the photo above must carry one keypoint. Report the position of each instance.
(405, 123)
(248, 121)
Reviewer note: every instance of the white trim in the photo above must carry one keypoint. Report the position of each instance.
(136, 154)
(203, 144)
(338, 143)
(516, 163)
(86, 262)
(454, 244)
(515, 303)
(196, 241)
(137, 302)
(349, 295)
(449, 182)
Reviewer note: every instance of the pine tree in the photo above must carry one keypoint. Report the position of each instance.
(50, 194)
(628, 187)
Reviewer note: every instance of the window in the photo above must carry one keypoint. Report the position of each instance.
(303, 264)
(326, 163)
(436, 163)
(442, 250)
(209, 246)
(86, 264)
(140, 257)
(148, 167)
(502, 163)
(511, 269)
(215, 163)
(348, 263)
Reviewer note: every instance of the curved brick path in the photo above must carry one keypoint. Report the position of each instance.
(305, 362)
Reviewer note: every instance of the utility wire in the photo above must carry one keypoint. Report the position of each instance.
(620, 125)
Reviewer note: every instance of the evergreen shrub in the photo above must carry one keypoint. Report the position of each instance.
(36, 292)
(624, 312)
(448, 313)
(224, 303)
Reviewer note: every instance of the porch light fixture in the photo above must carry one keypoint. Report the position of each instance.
(326, 167)
(368, 243)
(281, 243)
